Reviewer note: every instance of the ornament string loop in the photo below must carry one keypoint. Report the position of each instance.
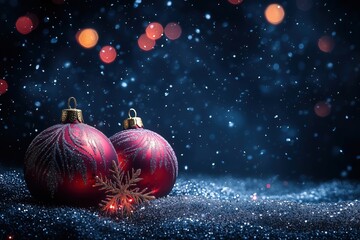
(134, 111)
(69, 101)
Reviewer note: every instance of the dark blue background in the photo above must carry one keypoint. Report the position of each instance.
(216, 93)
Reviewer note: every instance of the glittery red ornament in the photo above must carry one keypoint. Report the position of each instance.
(62, 161)
(143, 149)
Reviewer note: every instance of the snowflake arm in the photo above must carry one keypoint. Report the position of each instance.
(122, 194)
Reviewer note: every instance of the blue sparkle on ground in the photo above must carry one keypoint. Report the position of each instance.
(199, 207)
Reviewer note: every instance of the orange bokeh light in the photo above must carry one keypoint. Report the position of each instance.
(235, 2)
(274, 14)
(154, 30)
(3, 86)
(173, 31)
(107, 54)
(24, 25)
(146, 43)
(87, 37)
(322, 109)
(326, 44)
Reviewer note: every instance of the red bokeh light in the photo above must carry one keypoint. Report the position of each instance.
(146, 43)
(235, 2)
(322, 109)
(154, 30)
(24, 25)
(3, 86)
(107, 54)
(326, 44)
(173, 31)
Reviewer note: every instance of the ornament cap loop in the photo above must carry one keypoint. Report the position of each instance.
(132, 110)
(133, 121)
(74, 100)
(72, 115)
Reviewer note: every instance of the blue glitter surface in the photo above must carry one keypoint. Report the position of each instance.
(199, 207)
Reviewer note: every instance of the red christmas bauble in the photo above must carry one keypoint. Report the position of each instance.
(143, 149)
(62, 161)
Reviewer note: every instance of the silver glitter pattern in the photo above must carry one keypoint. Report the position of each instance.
(136, 142)
(51, 156)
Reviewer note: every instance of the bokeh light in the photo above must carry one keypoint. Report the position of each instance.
(3, 86)
(87, 37)
(326, 44)
(146, 43)
(107, 54)
(322, 109)
(154, 30)
(274, 14)
(304, 5)
(173, 31)
(235, 2)
(24, 25)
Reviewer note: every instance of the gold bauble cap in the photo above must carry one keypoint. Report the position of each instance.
(72, 115)
(132, 121)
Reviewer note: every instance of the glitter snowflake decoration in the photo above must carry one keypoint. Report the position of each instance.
(122, 193)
